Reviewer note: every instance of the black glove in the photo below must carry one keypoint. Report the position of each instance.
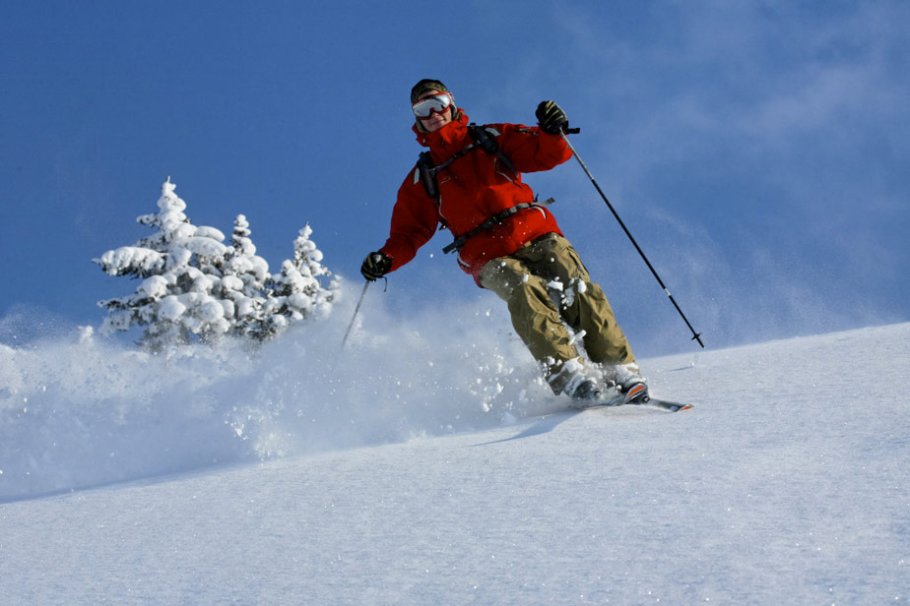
(551, 119)
(375, 266)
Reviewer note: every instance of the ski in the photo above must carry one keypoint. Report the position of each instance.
(638, 395)
(666, 405)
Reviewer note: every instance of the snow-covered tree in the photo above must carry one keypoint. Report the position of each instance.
(298, 289)
(245, 281)
(193, 287)
(178, 263)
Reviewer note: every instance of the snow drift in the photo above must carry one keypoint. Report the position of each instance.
(83, 411)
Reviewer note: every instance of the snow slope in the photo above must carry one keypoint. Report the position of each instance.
(298, 477)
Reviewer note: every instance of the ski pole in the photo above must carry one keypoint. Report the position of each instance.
(695, 335)
(363, 293)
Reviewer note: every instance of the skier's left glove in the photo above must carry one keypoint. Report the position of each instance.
(376, 265)
(551, 119)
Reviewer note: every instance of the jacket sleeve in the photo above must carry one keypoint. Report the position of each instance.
(414, 221)
(530, 149)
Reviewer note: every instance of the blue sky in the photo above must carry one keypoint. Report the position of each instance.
(758, 150)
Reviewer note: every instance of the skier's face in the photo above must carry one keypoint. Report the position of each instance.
(434, 110)
(436, 121)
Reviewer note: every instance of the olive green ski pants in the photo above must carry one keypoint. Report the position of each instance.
(547, 288)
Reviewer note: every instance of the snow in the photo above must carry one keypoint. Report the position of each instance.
(205, 247)
(154, 287)
(114, 261)
(428, 464)
(171, 308)
(207, 232)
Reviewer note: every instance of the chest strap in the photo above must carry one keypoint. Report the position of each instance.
(492, 222)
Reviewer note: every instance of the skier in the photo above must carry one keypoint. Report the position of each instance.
(470, 182)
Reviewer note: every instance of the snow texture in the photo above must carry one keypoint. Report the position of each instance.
(428, 464)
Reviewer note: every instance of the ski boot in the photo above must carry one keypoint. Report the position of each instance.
(627, 380)
(574, 380)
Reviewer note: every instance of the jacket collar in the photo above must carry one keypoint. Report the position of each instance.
(447, 140)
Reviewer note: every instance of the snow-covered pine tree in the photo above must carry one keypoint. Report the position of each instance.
(196, 288)
(298, 290)
(244, 282)
(179, 267)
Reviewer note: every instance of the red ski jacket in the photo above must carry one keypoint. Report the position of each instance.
(473, 189)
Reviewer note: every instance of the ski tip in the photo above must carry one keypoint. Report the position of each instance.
(676, 406)
(670, 406)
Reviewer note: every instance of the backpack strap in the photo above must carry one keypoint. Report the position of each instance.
(426, 173)
(482, 138)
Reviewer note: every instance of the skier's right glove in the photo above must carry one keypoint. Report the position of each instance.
(375, 266)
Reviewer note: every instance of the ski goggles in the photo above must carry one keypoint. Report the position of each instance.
(435, 104)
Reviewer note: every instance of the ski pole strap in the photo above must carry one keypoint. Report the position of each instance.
(493, 222)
